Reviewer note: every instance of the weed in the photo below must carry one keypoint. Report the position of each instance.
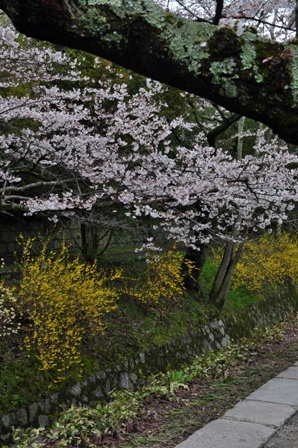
(178, 379)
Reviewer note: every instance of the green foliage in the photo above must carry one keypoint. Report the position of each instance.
(121, 410)
(75, 427)
(134, 327)
(237, 298)
(208, 275)
(275, 333)
(218, 363)
(165, 385)
(78, 425)
(130, 328)
(16, 385)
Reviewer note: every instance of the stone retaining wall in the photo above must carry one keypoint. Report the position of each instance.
(68, 232)
(10, 230)
(127, 375)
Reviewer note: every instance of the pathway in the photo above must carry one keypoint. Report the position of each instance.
(255, 421)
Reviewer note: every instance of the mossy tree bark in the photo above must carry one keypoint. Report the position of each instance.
(245, 73)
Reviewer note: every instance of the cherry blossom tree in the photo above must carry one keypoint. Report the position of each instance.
(85, 149)
(64, 144)
(206, 49)
(275, 19)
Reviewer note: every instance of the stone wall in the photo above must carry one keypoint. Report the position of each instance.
(11, 229)
(172, 355)
(66, 231)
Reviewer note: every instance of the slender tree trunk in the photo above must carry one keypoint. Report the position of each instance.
(90, 239)
(85, 248)
(224, 274)
(240, 138)
(233, 250)
(109, 232)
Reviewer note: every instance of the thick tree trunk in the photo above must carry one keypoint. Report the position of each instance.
(198, 258)
(244, 73)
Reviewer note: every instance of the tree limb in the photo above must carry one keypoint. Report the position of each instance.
(246, 74)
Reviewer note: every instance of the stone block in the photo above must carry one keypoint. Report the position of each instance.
(224, 433)
(76, 390)
(98, 393)
(8, 420)
(225, 340)
(107, 387)
(22, 417)
(277, 390)
(133, 378)
(33, 408)
(43, 421)
(269, 414)
(101, 375)
(290, 373)
(45, 405)
(124, 381)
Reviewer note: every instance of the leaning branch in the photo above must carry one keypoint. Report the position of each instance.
(244, 73)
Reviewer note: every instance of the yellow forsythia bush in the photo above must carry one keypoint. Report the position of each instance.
(269, 261)
(161, 279)
(62, 298)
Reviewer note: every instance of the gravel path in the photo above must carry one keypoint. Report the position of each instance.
(287, 437)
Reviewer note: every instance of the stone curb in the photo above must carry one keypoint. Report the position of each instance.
(253, 421)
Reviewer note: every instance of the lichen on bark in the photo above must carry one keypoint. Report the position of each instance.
(201, 58)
